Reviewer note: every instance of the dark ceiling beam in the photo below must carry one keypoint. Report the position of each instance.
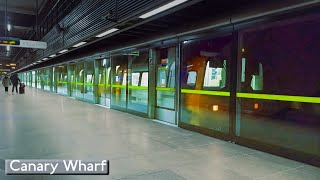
(21, 11)
(17, 19)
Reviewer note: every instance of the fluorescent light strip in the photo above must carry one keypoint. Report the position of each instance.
(39, 61)
(63, 51)
(44, 59)
(162, 8)
(107, 32)
(79, 44)
(53, 55)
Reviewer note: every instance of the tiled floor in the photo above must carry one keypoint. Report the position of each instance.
(41, 125)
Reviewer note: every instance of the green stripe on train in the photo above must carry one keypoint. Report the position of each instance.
(62, 82)
(102, 85)
(215, 93)
(119, 86)
(303, 99)
(165, 89)
(138, 87)
(130, 87)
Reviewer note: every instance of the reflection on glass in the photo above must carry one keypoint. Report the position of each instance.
(89, 78)
(284, 64)
(119, 92)
(165, 90)
(78, 88)
(62, 80)
(38, 79)
(33, 78)
(205, 92)
(104, 91)
(138, 82)
(46, 79)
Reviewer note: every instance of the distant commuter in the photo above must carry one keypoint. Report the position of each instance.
(15, 81)
(6, 83)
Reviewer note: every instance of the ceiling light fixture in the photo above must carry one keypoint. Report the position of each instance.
(44, 59)
(162, 8)
(53, 55)
(63, 51)
(107, 32)
(79, 44)
(8, 48)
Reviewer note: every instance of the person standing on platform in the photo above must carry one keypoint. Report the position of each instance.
(6, 83)
(15, 81)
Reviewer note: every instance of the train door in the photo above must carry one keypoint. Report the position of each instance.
(165, 85)
(119, 69)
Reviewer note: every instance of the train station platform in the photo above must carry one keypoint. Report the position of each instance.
(42, 125)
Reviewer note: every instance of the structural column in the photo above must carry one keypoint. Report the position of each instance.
(152, 83)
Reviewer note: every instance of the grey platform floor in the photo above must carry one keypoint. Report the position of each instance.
(42, 125)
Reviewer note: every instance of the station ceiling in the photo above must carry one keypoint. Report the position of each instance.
(177, 21)
(21, 15)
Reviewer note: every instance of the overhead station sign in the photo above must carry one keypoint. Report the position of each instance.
(10, 42)
(14, 42)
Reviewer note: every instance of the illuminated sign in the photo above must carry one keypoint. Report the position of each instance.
(33, 44)
(14, 42)
(9, 42)
(134, 53)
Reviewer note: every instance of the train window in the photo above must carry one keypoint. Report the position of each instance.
(192, 77)
(135, 79)
(215, 77)
(144, 79)
(257, 80)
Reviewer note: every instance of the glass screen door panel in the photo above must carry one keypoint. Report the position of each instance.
(89, 79)
(165, 85)
(119, 70)
(138, 82)
(62, 78)
(79, 80)
(205, 89)
(104, 91)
